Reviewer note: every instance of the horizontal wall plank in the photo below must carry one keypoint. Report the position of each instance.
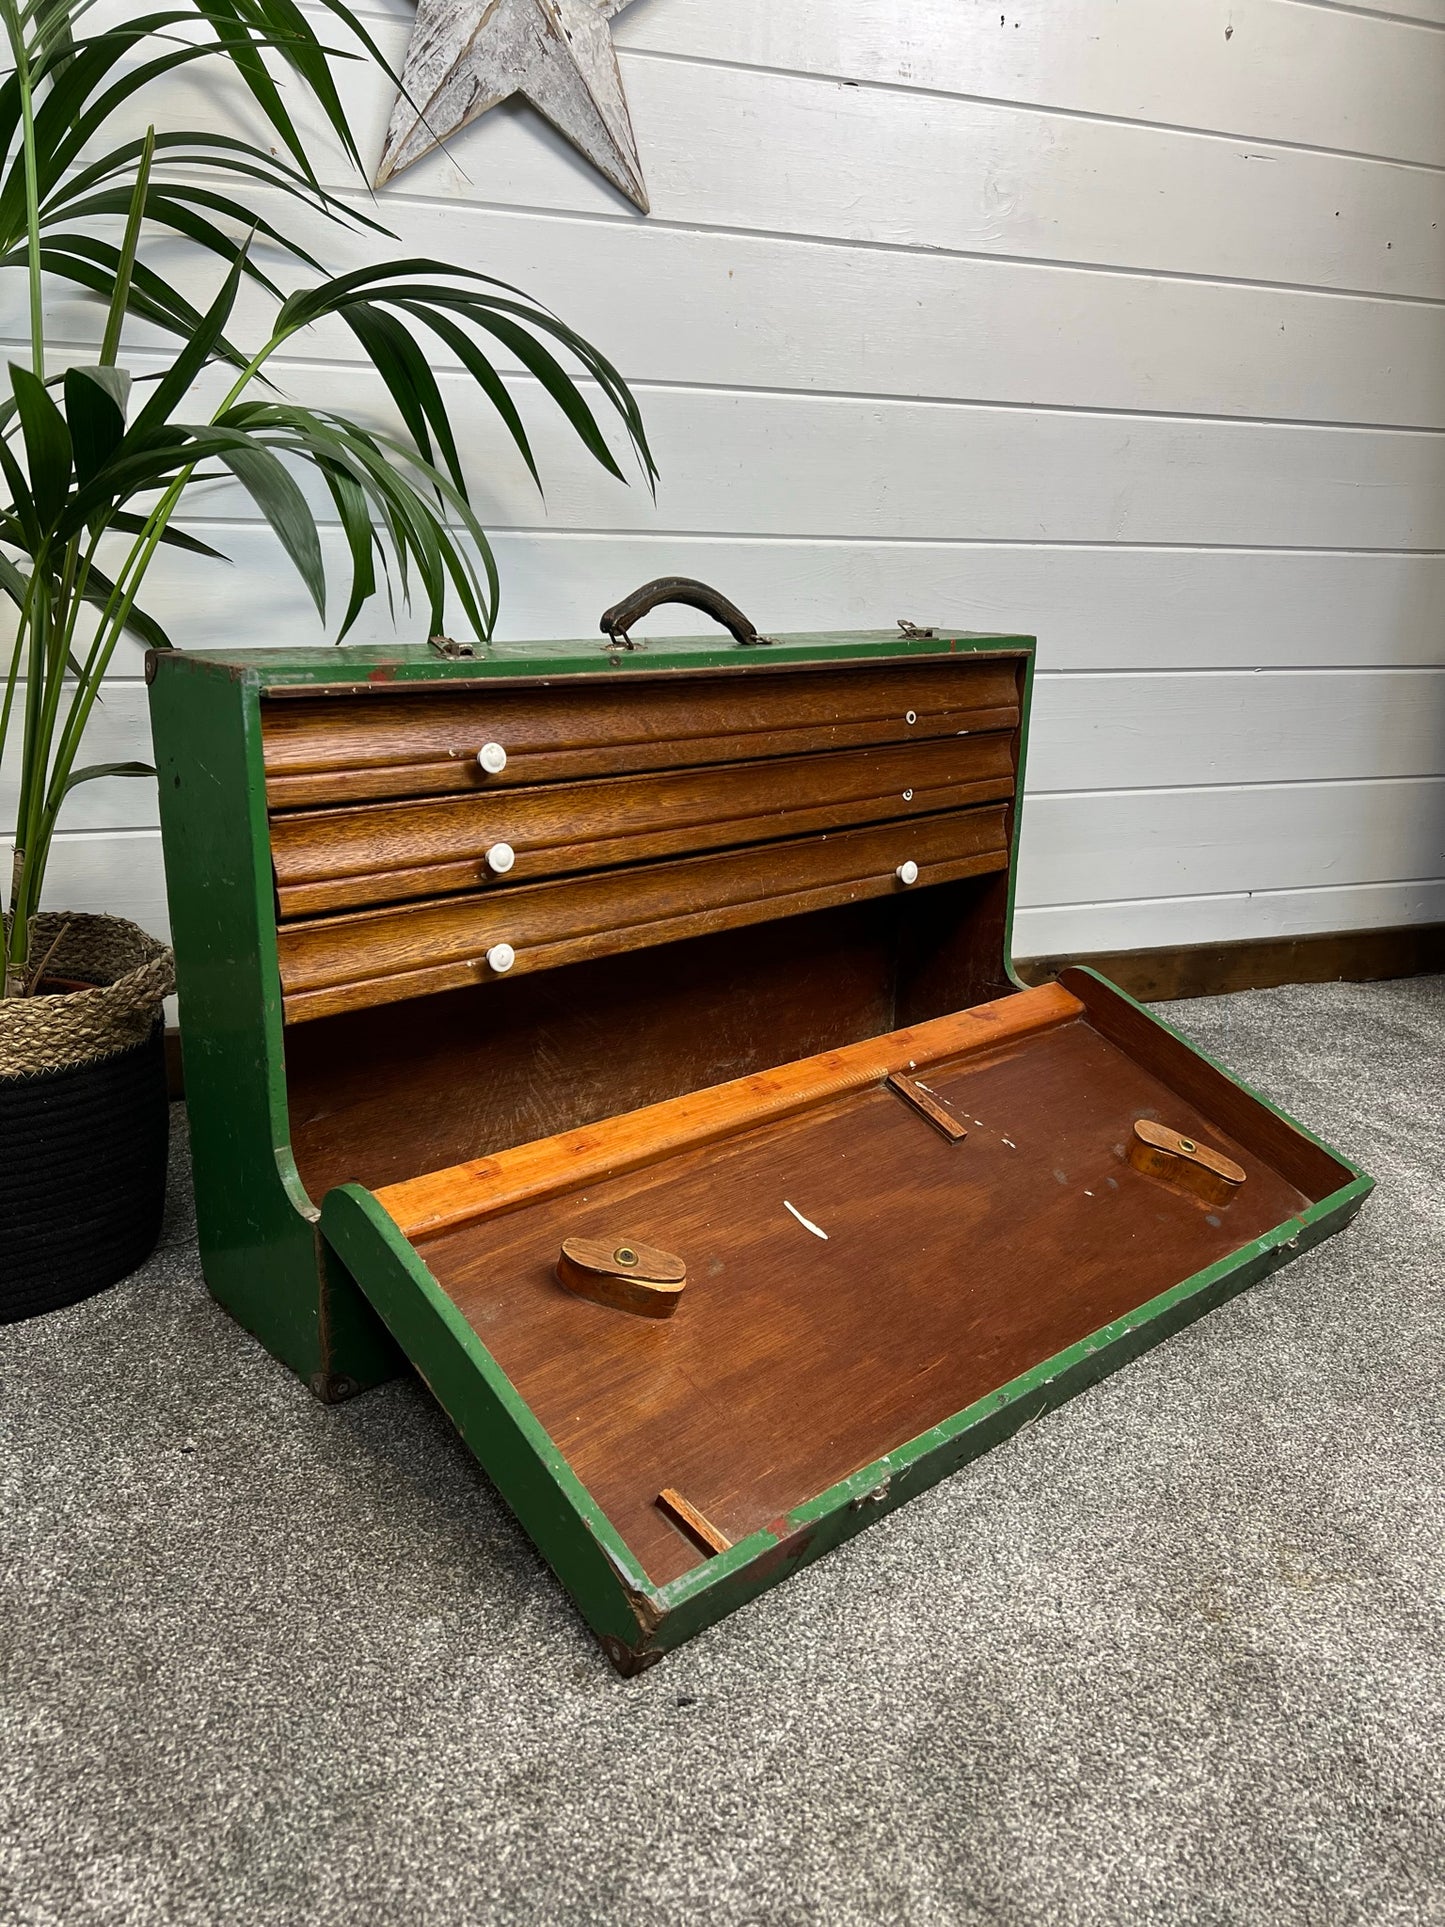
(803, 465)
(748, 311)
(791, 465)
(117, 873)
(1425, 11)
(118, 731)
(1076, 928)
(1148, 731)
(1127, 844)
(1266, 69)
(1091, 608)
(930, 170)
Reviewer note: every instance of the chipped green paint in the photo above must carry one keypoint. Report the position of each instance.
(260, 1248)
(289, 1272)
(639, 1622)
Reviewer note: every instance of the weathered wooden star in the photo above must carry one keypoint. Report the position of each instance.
(467, 55)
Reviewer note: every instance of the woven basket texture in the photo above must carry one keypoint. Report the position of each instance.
(131, 971)
(82, 1176)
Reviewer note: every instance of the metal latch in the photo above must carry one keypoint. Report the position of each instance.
(446, 646)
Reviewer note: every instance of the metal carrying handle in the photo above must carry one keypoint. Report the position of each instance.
(617, 620)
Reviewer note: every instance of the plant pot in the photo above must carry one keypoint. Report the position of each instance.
(84, 1114)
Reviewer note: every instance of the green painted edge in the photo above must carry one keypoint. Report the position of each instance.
(347, 666)
(1021, 738)
(702, 1596)
(1148, 1012)
(561, 1517)
(261, 1251)
(639, 1622)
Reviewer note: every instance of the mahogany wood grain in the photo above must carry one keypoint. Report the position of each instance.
(337, 859)
(484, 1186)
(386, 741)
(374, 956)
(794, 1361)
(383, 1094)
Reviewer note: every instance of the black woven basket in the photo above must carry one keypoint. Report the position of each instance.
(82, 1177)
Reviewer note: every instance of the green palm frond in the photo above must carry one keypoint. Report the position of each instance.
(96, 464)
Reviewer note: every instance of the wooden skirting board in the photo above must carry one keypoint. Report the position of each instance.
(1258, 963)
(1204, 969)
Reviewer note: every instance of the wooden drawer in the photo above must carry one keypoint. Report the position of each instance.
(385, 852)
(375, 956)
(353, 748)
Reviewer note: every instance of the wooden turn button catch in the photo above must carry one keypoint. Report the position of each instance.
(628, 1277)
(1183, 1163)
(927, 1106)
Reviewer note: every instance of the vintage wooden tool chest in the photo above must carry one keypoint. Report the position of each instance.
(629, 1040)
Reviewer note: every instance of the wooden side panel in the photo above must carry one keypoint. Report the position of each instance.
(385, 852)
(343, 963)
(399, 743)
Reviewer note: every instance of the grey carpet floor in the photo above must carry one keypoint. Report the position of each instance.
(1176, 1654)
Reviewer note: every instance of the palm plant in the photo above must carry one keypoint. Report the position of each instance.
(97, 463)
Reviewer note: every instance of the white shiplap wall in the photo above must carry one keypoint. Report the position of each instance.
(1118, 321)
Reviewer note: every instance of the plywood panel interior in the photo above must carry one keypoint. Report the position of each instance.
(794, 1359)
(378, 1096)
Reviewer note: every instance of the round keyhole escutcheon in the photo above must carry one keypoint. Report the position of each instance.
(501, 957)
(500, 858)
(492, 758)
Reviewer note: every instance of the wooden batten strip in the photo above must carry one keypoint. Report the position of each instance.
(698, 1527)
(442, 1200)
(927, 1106)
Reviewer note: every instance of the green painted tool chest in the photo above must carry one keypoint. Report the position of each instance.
(627, 1041)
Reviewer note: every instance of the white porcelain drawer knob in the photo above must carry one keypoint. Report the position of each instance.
(907, 872)
(493, 758)
(501, 957)
(500, 858)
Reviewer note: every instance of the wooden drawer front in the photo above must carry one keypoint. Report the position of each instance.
(377, 956)
(386, 852)
(352, 748)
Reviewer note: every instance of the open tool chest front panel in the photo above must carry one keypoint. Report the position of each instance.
(696, 969)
